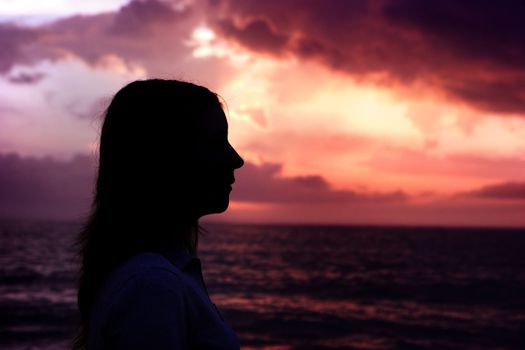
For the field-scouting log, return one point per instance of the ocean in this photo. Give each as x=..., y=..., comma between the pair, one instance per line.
x=302, y=287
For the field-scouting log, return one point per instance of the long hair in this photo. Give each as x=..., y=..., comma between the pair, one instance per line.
x=141, y=200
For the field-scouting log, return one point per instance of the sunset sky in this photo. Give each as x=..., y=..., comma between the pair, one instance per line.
x=383, y=112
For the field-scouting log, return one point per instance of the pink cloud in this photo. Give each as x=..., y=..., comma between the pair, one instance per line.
x=311, y=144
x=415, y=162
x=264, y=183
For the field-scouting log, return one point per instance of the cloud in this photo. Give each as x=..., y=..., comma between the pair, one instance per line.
x=265, y=184
x=313, y=145
x=86, y=59
x=140, y=17
x=141, y=31
x=499, y=191
x=414, y=162
x=26, y=78
x=473, y=29
x=44, y=188
x=13, y=41
x=256, y=115
x=148, y=35
x=497, y=96
x=256, y=35
x=472, y=51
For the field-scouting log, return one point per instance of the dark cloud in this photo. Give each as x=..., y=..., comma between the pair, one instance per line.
x=139, y=17
x=13, y=41
x=45, y=188
x=265, y=183
x=506, y=190
x=471, y=50
x=474, y=29
x=497, y=96
x=26, y=78
x=256, y=35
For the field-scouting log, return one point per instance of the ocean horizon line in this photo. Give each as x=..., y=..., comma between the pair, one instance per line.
x=357, y=225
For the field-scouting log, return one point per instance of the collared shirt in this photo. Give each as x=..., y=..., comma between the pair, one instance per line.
x=151, y=302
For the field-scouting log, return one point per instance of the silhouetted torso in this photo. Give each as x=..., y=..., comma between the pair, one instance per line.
x=150, y=302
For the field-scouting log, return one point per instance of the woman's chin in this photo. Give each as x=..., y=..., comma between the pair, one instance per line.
x=219, y=206
x=223, y=206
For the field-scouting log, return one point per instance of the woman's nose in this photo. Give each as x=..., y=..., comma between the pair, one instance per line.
x=237, y=161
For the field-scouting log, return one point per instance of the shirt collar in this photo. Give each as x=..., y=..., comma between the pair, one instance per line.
x=189, y=264
x=184, y=261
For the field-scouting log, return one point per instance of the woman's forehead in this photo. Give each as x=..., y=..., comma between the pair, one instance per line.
x=213, y=121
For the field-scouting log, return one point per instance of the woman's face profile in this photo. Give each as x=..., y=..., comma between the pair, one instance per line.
x=214, y=162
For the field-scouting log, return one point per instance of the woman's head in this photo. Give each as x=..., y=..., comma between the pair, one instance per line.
x=164, y=150
x=165, y=161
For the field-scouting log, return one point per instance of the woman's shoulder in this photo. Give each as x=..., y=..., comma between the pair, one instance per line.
x=143, y=303
x=142, y=271
x=144, y=264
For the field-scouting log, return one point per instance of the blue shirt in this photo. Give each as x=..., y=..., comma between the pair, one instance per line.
x=150, y=302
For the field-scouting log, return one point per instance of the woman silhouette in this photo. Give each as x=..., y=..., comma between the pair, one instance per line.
x=165, y=161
